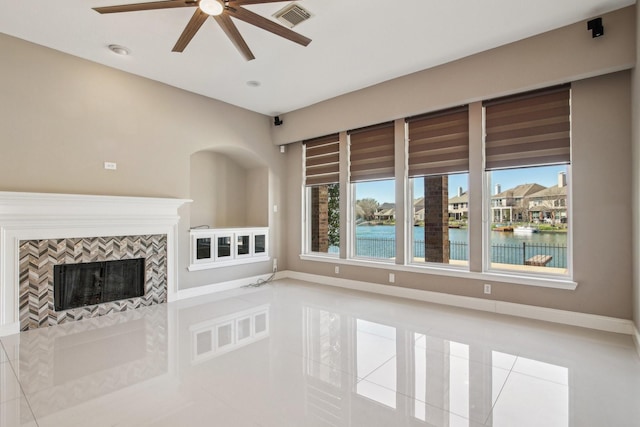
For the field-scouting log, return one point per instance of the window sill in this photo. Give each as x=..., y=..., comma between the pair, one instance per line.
x=493, y=276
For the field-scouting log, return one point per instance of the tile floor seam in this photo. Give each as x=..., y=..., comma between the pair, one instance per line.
x=540, y=378
x=371, y=373
x=420, y=400
x=504, y=384
x=24, y=395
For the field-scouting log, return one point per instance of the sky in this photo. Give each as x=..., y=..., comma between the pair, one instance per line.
x=383, y=191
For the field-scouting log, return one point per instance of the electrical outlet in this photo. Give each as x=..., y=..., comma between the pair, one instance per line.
x=110, y=166
x=487, y=288
x=392, y=278
x=337, y=269
x=275, y=265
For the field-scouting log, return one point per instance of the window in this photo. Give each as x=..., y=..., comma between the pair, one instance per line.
x=528, y=152
x=523, y=213
x=438, y=158
x=372, y=176
x=375, y=219
x=322, y=173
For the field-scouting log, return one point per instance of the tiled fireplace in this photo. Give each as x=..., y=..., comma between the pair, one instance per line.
x=40, y=231
x=39, y=257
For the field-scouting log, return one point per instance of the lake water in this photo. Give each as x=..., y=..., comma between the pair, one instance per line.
x=509, y=248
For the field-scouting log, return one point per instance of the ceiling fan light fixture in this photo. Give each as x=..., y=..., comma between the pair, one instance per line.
x=211, y=7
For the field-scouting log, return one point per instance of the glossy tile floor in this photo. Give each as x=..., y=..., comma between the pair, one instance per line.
x=295, y=354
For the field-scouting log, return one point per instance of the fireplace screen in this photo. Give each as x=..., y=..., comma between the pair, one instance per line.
x=79, y=285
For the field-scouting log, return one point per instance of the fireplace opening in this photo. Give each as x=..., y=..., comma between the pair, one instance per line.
x=90, y=283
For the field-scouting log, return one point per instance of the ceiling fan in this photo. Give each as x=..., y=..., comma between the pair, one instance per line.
x=221, y=11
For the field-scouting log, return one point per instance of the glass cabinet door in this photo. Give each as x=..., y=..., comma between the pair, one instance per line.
x=203, y=248
x=260, y=242
x=243, y=242
x=223, y=247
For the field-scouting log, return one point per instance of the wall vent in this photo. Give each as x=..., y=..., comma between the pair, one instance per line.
x=292, y=15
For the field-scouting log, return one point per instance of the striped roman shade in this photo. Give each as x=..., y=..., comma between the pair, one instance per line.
x=372, y=152
x=529, y=129
x=322, y=160
x=439, y=142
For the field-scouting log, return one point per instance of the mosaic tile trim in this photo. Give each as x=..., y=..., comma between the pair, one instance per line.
x=37, y=258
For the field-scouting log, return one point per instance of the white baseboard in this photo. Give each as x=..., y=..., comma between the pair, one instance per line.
x=636, y=338
x=218, y=287
x=9, y=329
x=591, y=321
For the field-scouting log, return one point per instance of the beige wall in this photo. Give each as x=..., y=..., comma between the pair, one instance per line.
x=61, y=117
x=601, y=170
x=559, y=56
x=218, y=190
x=635, y=114
x=256, y=194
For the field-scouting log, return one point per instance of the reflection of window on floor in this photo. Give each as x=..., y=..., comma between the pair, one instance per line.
x=420, y=374
x=441, y=380
x=322, y=358
x=322, y=348
x=459, y=379
x=376, y=362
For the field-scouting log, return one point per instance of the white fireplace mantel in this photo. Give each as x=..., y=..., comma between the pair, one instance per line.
x=30, y=216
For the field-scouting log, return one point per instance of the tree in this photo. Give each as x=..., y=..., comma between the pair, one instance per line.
x=334, y=214
x=368, y=208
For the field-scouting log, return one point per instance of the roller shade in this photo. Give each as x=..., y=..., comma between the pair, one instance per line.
x=322, y=160
x=439, y=142
x=372, y=152
x=529, y=129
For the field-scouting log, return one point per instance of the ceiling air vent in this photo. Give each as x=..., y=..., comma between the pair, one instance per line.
x=292, y=15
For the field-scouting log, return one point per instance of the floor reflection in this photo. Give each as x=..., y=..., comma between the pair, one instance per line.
x=292, y=354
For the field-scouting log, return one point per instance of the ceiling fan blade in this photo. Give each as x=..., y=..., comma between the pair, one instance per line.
x=232, y=32
x=243, y=2
x=145, y=6
x=190, y=30
x=268, y=25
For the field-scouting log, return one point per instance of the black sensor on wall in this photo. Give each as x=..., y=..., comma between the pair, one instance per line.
x=277, y=121
x=596, y=27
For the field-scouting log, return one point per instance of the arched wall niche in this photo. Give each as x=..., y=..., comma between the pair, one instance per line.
x=229, y=187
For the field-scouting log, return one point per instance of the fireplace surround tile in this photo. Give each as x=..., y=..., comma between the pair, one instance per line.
x=38, y=257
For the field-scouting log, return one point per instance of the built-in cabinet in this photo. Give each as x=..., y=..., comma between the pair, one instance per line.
x=221, y=247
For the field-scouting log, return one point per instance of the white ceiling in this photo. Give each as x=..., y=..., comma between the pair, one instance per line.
x=356, y=43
